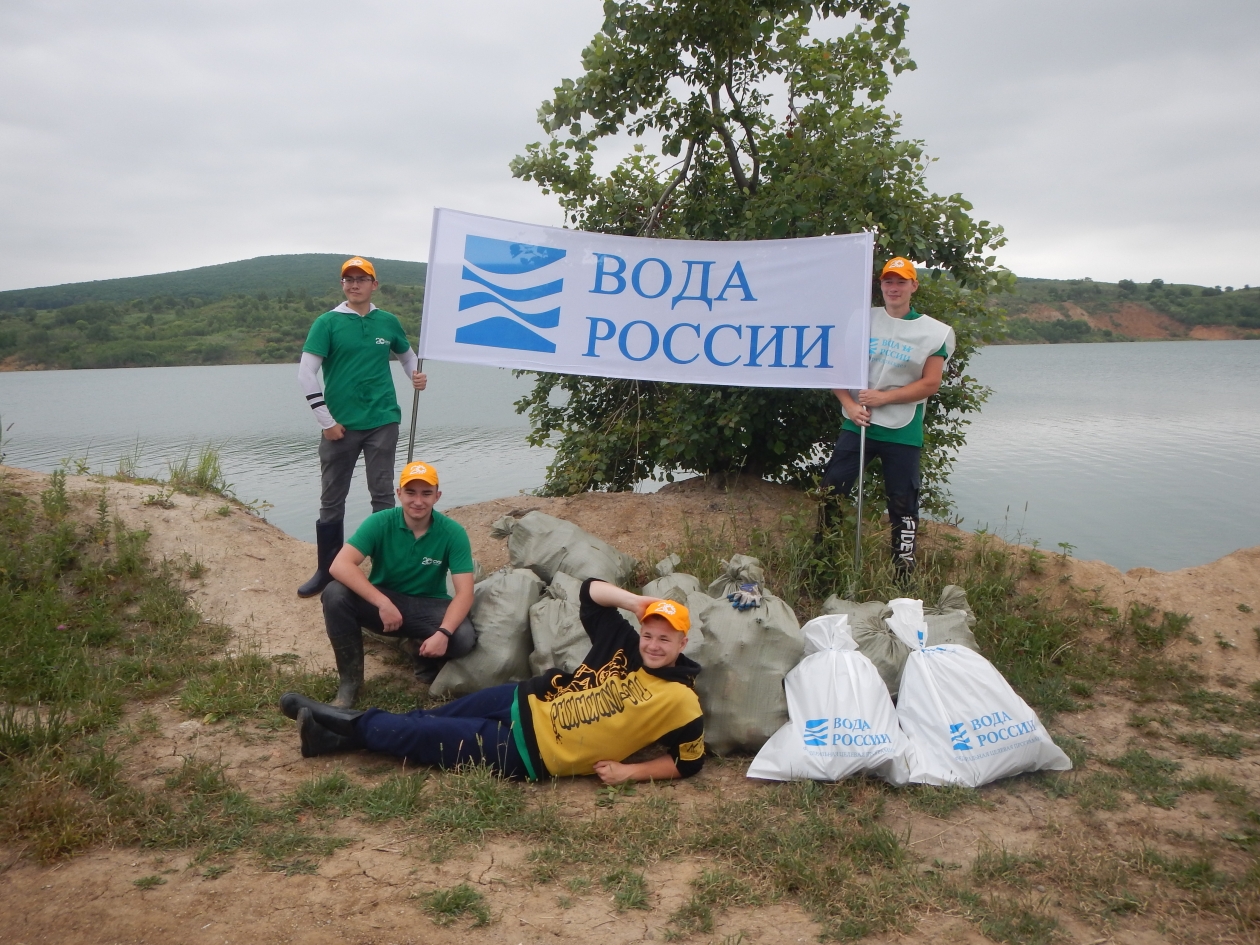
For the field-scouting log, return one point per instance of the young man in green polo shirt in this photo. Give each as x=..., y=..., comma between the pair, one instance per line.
x=356, y=407
x=908, y=355
x=412, y=548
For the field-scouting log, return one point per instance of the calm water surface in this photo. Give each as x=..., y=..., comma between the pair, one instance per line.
x=257, y=415
x=1138, y=454
x=1142, y=454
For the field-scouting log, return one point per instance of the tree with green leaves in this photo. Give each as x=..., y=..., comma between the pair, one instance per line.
x=765, y=131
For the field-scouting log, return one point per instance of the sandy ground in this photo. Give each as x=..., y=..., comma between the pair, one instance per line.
x=362, y=894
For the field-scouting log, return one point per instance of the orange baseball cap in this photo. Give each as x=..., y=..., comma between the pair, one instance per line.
x=901, y=267
x=675, y=613
x=422, y=471
x=358, y=262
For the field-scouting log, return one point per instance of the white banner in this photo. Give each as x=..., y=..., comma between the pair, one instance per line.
x=764, y=313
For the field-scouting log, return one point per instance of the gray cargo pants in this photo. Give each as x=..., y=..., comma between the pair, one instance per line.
x=345, y=612
x=337, y=459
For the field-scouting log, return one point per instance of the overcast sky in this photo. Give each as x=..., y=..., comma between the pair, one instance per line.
x=1112, y=138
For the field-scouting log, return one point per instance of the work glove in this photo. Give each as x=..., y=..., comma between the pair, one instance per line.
x=746, y=598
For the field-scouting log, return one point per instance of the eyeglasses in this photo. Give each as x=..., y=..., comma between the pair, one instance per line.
x=357, y=280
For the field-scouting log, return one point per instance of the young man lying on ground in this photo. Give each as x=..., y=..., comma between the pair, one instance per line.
x=631, y=691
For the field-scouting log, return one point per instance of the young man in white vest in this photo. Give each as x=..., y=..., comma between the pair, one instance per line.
x=908, y=355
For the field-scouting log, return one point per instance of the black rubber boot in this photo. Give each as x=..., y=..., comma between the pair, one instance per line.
x=318, y=740
x=339, y=721
x=427, y=669
x=905, y=531
x=829, y=517
x=329, y=537
x=348, y=652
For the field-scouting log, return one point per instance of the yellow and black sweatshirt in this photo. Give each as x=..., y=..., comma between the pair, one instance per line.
x=610, y=706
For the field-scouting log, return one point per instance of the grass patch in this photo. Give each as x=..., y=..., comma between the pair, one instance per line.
x=628, y=888
x=1150, y=778
x=87, y=623
x=1223, y=708
x=246, y=684
x=1149, y=634
x=1227, y=791
x=472, y=801
x=822, y=845
x=200, y=475
x=941, y=801
x=1186, y=872
x=1095, y=790
x=448, y=905
x=712, y=892
x=994, y=865
x=1016, y=924
x=1156, y=679
x=1229, y=745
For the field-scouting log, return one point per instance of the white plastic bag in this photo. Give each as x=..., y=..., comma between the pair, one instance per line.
x=841, y=719
x=965, y=723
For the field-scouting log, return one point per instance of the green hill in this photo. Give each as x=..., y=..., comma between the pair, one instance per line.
x=259, y=310
x=314, y=272
x=1074, y=310
x=247, y=312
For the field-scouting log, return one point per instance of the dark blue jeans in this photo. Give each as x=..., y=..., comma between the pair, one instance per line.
x=902, y=483
x=475, y=729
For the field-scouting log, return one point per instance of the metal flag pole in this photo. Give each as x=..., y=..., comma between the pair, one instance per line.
x=857, y=544
x=415, y=407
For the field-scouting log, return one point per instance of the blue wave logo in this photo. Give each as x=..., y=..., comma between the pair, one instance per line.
x=816, y=732
x=505, y=258
x=959, y=737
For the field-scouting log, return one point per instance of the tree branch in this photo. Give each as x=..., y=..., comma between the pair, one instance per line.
x=738, y=111
x=732, y=152
x=650, y=225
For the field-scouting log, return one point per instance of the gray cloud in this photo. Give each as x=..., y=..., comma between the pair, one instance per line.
x=1111, y=139
x=1114, y=140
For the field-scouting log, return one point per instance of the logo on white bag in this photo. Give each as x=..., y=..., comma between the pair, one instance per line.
x=849, y=732
x=958, y=735
x=816, y=732
x=992, y=728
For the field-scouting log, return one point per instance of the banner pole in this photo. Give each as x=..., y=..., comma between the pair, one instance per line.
x=857, y=544
x=415, y=407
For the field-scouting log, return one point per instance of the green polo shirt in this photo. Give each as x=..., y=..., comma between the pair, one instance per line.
x=410, y=565
x=357, y=385
x=912, y=433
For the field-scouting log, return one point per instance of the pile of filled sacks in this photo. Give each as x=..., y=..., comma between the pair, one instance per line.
x=814, y=702
x=956, y=720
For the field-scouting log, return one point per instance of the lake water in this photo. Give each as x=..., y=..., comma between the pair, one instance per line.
x=1138, y=454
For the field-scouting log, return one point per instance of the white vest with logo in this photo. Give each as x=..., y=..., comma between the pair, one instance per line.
x=899, y=350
